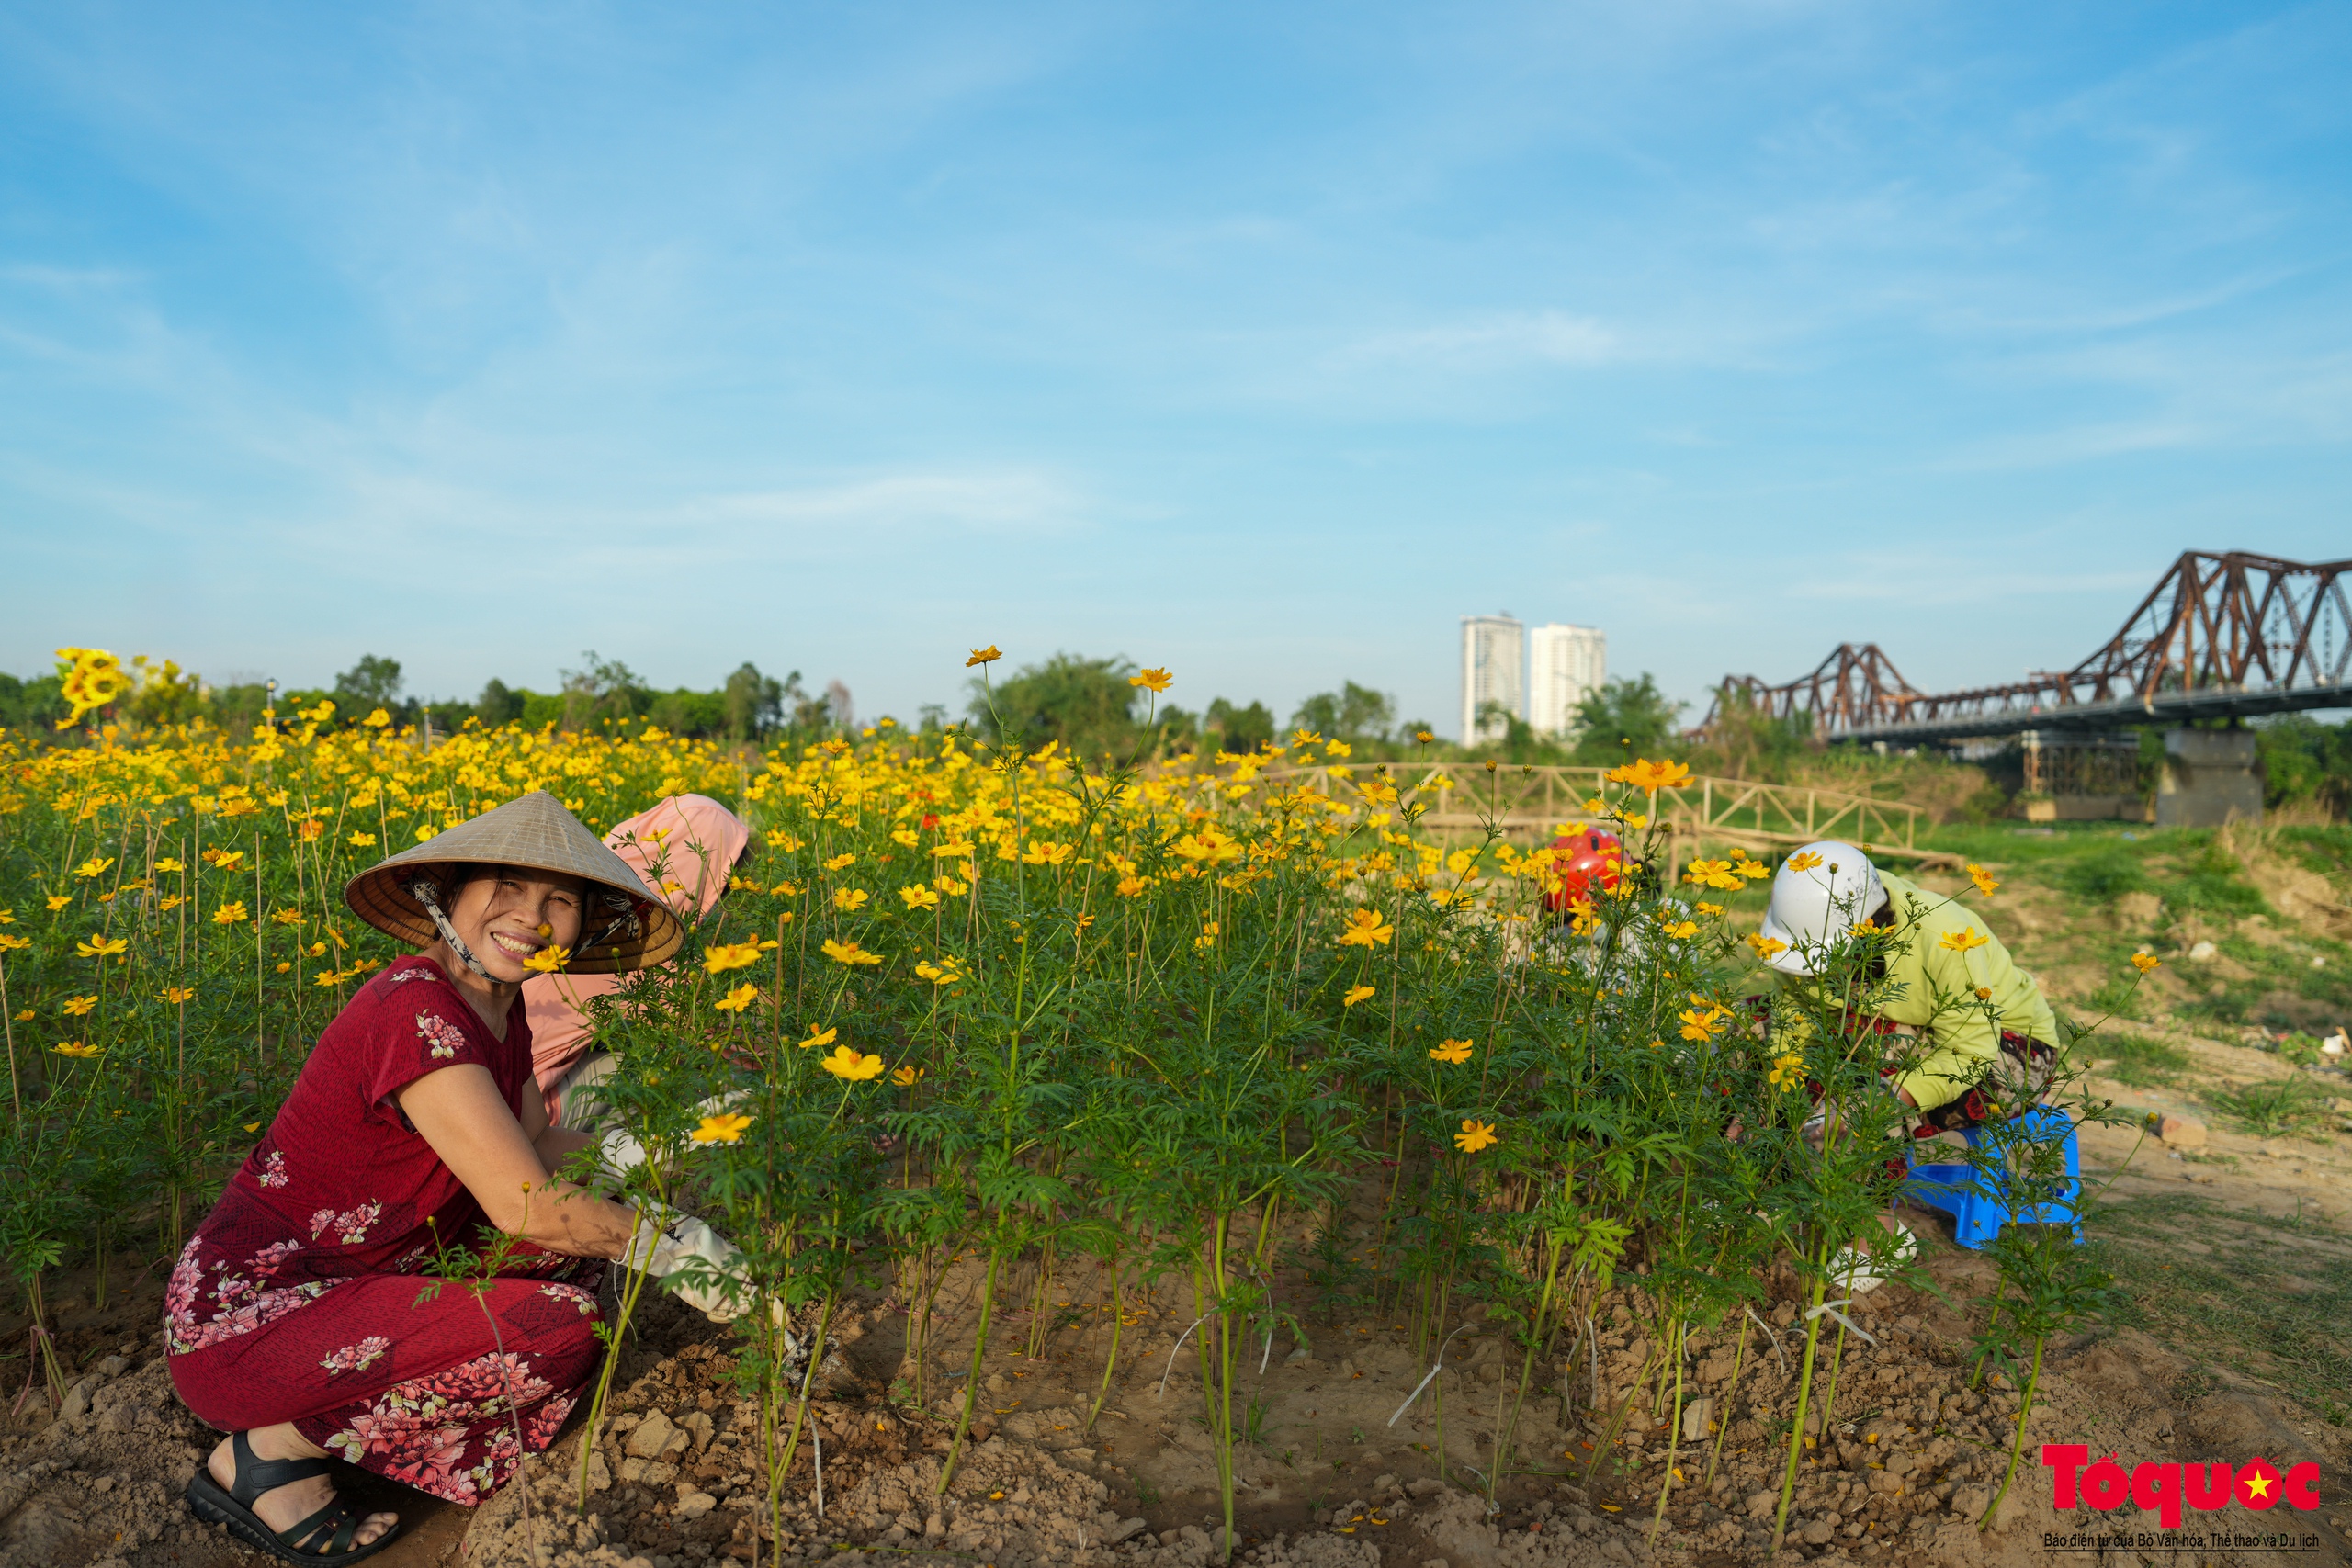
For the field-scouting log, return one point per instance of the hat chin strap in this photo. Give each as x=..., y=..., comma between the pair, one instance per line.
x=427, y=893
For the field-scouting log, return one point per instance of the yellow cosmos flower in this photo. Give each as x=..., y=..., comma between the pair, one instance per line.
x=820, y=1037
x=988, y=655
x=77, y=1006
x=380, y=719
x=780, y=839
x=167, y=863
x=1755, y=871
x=1699, y=1025
x=849, y=898
x=77, y=1049
x=905, y=1077
x=1474, y=1135
x=1787, y=1073
x=115, y=946
x=944, y=973
x=1962, y=941
x=840, y=862
x=58, y=901
x=90, y=868
x=549, y=959
x=721, y=1129
x=1680, y=930
x=738, y=999
x=917, y=896
x=175, y=995
x=1650, y=777
x=1766, y=946
x=2144, y=962
x=1366, y=928
x=848, y=1062
x=1130, y=887
x=363, y=840
x=848, y=952
x=1806, y=861
x=1711, y=908
x=13, y=944
x=719, y=957
x=229, y=914
x=1453, y=1052
x=1151, y=680
x=1357, y=994
x=1982, y=878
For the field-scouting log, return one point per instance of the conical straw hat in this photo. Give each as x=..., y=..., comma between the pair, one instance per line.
x=538, y=834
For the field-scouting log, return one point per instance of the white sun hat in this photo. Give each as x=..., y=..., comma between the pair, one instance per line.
x=1815, y=907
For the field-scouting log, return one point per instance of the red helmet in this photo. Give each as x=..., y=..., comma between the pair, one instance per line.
x=1580, y=859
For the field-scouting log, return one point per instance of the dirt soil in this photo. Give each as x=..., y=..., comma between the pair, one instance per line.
x=1911, y=1455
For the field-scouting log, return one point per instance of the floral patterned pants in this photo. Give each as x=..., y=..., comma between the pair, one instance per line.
x=443, y=1394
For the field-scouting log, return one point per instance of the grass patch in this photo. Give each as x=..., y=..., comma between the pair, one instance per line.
x=2269, y=1309
x=2137, y=1060
x=2105, y=874
x=2286, y=1108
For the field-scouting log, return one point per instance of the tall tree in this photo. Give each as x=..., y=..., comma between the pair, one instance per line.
x=373, y=682
x=1086, y=704
x=1625, y=719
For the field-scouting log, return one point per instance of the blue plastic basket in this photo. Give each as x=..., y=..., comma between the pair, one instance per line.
x=1978, y=1216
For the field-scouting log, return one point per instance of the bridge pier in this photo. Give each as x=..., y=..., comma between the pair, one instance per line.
x=2212, y=777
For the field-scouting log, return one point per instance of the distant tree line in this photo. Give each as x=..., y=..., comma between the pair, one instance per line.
x=1092, y=706
x=602, y=694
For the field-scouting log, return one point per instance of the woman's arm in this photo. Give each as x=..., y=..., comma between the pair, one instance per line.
x=555, y=1145
x=459, y=1111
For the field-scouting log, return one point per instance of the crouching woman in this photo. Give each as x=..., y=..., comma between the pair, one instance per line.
x=294, y=1322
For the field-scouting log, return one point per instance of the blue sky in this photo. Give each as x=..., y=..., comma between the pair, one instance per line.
x=1258, y=342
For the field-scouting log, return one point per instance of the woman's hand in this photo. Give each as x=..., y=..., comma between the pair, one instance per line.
x=459, y=1111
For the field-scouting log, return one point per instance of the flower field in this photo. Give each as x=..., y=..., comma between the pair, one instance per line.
x=973, y=1004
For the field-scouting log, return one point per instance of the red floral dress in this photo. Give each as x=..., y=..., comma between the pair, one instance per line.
x=298, y=1297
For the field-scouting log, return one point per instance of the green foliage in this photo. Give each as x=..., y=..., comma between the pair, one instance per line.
x=1625, y=719
x=2104, y=875
x=2291, y=1106
x=373, y=682
x=2305, y=762
x=1352, y=713
x=2136, y=1060
x=1084, y=704
x=2206, y=876
x=1241, y=729
x=33, y=706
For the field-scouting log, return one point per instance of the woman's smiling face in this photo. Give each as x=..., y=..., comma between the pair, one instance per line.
x=506, y=915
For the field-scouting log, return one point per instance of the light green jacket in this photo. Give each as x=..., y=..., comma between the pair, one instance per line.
x=1933, y=987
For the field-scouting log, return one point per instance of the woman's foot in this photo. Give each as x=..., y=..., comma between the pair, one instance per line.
x=283, y=1508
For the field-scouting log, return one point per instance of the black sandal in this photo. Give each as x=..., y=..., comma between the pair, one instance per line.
x=339, y=1521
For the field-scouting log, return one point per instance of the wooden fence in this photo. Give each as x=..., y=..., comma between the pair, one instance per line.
x=1710, y=812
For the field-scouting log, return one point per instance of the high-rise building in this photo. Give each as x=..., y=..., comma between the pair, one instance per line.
x=1493, y=656
x=1564, y=664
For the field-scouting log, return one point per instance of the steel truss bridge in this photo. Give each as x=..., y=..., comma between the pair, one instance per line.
x=2228, y=636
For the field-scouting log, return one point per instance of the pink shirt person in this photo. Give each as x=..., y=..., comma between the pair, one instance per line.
x=685, y=847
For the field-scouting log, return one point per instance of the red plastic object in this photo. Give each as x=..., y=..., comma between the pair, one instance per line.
x=1585, y=859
